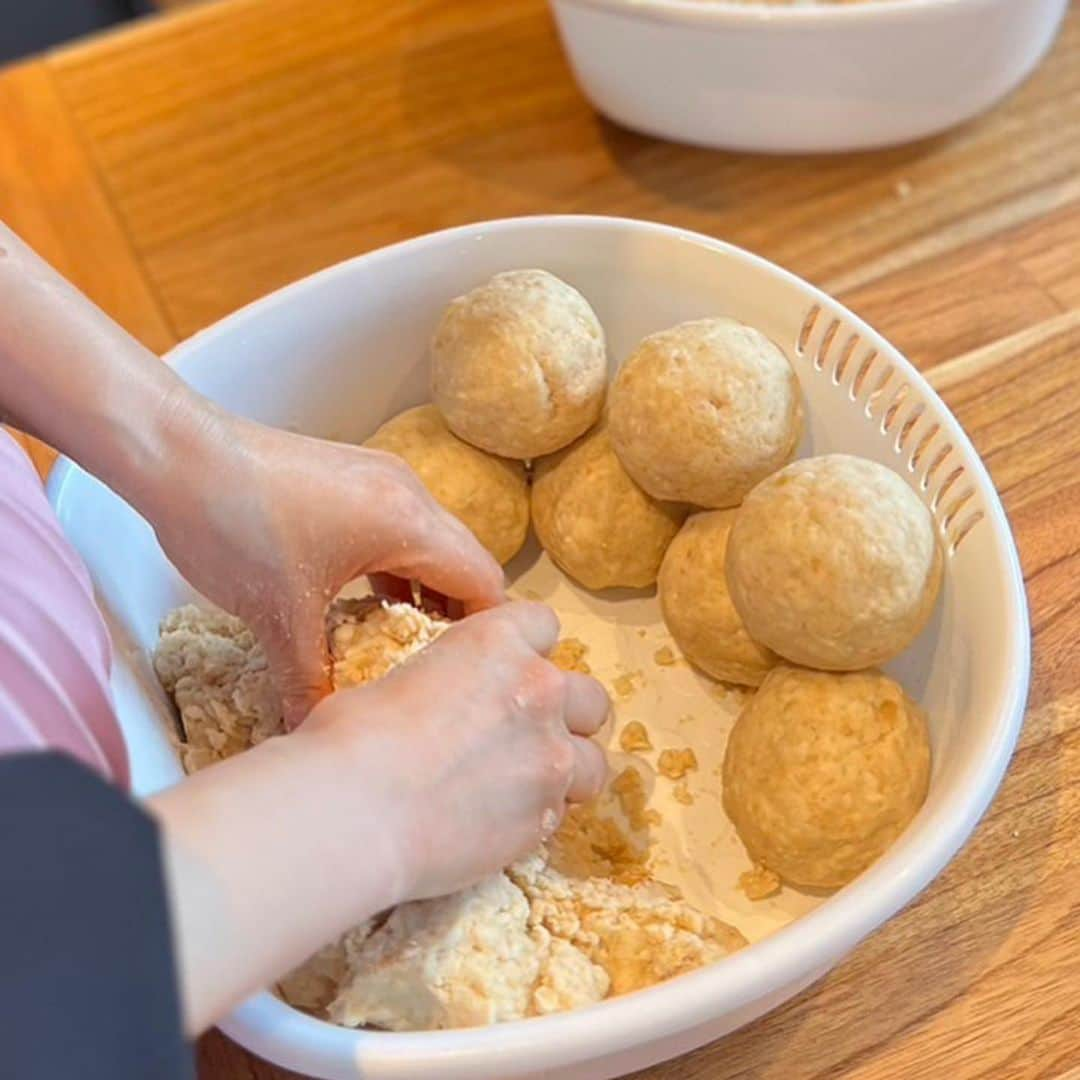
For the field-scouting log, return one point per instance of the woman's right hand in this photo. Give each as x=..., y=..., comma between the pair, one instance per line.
x=475, y=744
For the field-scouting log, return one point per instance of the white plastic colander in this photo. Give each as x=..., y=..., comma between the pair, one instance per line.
x=339, y=352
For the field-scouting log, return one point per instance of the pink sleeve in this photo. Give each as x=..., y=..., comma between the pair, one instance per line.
x=54, y=648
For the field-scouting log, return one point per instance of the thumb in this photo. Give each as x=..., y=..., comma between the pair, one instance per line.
x=296, y=650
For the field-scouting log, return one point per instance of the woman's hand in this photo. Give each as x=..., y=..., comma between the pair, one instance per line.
x=449, y=768
x=271, y=525
x=267, y=524
x=479, y=742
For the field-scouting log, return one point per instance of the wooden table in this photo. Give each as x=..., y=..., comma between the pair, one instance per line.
x=181, y=168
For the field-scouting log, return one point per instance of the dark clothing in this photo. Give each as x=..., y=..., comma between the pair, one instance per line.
x=32, y=27
x=87, y=981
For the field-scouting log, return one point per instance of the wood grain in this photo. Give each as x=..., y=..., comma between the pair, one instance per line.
x=272, y=137
x=51, y=195
x=180, y=168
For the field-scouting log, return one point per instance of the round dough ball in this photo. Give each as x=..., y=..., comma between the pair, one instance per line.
x=824, y=771
x=595, y=522
x=519, y=366
x=701, y=412
x=488, y=494
x=697, y=607
x=834, y=563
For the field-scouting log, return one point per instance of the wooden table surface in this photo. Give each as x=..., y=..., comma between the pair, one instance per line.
x=178, y=169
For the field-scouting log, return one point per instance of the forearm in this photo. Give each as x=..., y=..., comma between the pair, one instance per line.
x=73, y=377
x=269, y=856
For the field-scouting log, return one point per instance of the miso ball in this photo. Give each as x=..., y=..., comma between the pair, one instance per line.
x=488, y=494
x=701, y=412
x=823, y=771
x=834, y=563
x=519, y=365
x=595, y=522
x=697, y=607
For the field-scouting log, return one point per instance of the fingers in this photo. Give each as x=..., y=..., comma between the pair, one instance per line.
x=422, y=541
x=446, y=558
x=392, y=587
x=587, y=704
x=590, y=771
x=296, y=650
x=536, y=623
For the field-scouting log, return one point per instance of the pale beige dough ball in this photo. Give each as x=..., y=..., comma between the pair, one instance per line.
x=697, y=607
x=834, y=563
x=823, y=771
x=519, y=365
x=488, y=494
x=595, y=522
x=701, y=412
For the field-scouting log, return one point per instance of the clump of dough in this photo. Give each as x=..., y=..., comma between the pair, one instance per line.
x=462, y=960
x=697, y=606
x=834, y=563
x=634, y=737
x=759, y=883
x=591, y=843
x=315, y=983
x=488, y=494
x=640, y=935
x=216, y=672
x=519, y=365
x=701, y=412
x=595, y=522
x=824, y=771
x=569, y=655
x=564, y=929
x=675, y=764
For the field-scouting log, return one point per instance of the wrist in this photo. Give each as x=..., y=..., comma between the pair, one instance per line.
x=165, y=451
x=359, y=760
x=269, y=856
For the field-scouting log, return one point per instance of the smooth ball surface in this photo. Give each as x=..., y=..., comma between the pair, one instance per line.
x=519, y=365
x=834, y=563
x=697, y=607
x=488, y=494
x=701, y=412
x=595, y=522
x=823, y=771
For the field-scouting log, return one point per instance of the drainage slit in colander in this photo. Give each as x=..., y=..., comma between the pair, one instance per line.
x=944, y=489
x=807, y=329
x=907, y=428
x=936, y=464
x=891, y=412
x=875, y=395
x=922, y=445
x=844, y=358
x=956, y=506
x=862, y=374
x=822, y=350
x=964, y=528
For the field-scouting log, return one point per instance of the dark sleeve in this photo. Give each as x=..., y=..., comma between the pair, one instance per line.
x=87, y=980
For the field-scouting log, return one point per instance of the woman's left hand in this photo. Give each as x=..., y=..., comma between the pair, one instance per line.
x=275, y=524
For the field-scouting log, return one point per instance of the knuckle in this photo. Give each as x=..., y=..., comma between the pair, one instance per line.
x=397, y=489
x=561, y=757
x=543, y=614
x=548, y=684
x=493, y=629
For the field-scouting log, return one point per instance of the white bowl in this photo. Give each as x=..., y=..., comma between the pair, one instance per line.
x=337, y=353
x=814, y=78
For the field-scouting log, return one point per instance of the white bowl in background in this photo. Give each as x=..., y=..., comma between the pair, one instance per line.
x=806, y=78
x=339, y=352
